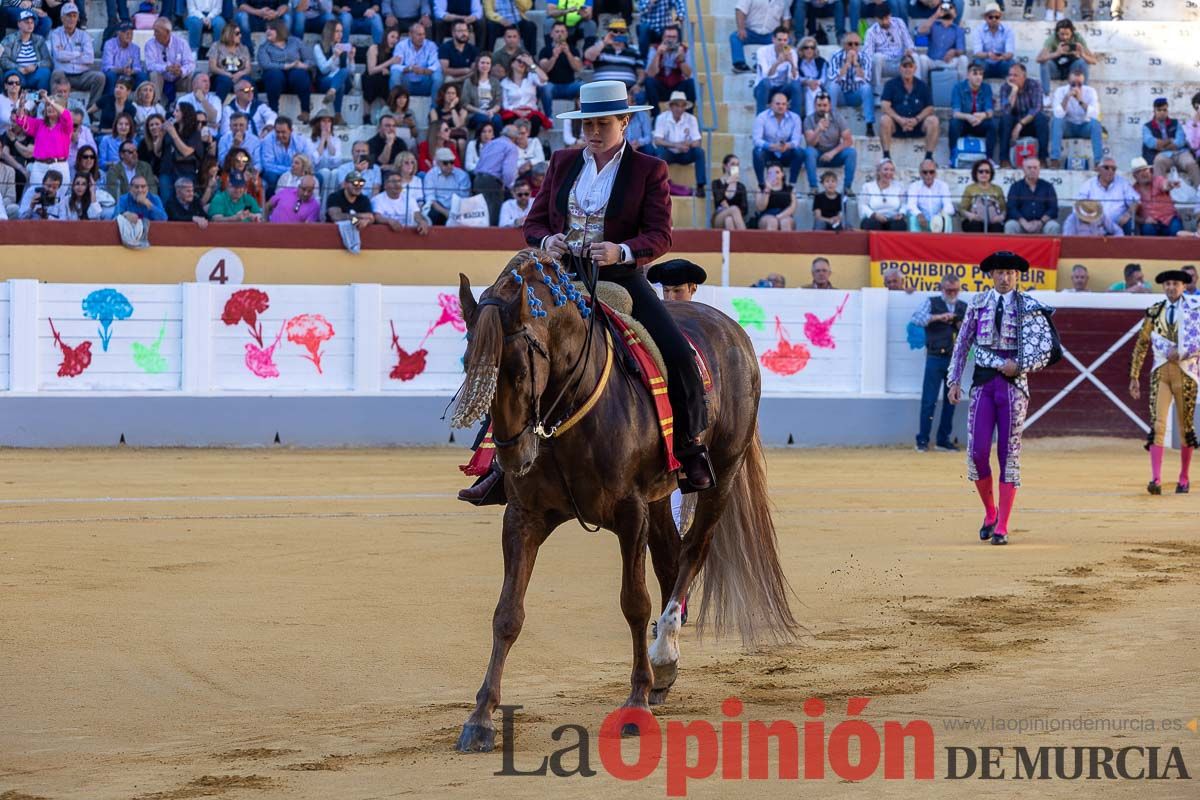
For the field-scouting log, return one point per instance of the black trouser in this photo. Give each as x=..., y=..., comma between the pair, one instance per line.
x=685, y=388
x=492, y=189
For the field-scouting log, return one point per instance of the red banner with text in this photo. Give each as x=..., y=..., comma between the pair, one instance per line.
x=923, y=258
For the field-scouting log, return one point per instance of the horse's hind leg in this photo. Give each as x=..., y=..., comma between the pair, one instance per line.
x=664, y=651
x=523, y=534
x=664, y=555
x=635, y=601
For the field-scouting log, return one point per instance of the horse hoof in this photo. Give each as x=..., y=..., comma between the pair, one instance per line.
x=664, y=674
x=476, y=739
x=659, y=696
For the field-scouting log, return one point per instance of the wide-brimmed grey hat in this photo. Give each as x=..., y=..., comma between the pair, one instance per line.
x=602, y=99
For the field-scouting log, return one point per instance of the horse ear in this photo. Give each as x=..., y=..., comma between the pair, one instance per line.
x=467, y=300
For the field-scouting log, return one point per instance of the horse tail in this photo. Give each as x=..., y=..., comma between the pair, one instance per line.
x=743, y=585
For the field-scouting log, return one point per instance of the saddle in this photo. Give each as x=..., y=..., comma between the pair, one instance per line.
x=641, y=357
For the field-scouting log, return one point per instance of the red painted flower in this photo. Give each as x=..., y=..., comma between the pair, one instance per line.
x=75, y=359
x=786, y=358
x=245, y=305
x=409, y=365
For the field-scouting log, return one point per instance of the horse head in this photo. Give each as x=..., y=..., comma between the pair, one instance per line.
x=530, y=312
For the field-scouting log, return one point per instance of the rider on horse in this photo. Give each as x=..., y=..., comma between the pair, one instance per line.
x=616, y=205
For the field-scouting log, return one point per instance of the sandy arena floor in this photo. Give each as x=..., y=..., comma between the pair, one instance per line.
x=315, y=624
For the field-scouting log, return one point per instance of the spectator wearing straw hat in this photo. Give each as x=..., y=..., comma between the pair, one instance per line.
x=1116, y=196
x=993, y=44
x=614, y=59
x=1088, y=219
x=677, y=139
x=1156, y=214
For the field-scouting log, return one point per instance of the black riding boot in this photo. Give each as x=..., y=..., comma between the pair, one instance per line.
x=685, y=387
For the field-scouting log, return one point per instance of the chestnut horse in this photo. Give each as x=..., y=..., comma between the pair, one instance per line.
x=532, y=363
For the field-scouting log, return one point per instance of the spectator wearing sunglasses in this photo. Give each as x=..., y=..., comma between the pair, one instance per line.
x=515, y=209
x=120, y=174
x=848, y=78
x=1116, y=195
x=993, y=44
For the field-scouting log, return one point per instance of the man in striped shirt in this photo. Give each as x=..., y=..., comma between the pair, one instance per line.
x=848, y=78
x=614, y=59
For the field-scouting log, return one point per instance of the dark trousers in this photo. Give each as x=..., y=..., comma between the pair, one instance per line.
x=296, y=81
x=985, y=130
x=492, y=190
x=935, y=384
x=1039, y=129
x=685, y=388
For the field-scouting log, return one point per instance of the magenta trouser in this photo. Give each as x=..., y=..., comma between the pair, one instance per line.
x=997, y=407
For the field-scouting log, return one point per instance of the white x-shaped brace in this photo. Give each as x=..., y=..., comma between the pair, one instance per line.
x=1086, y=373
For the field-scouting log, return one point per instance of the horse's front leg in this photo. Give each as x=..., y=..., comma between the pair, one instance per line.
x=523, y=534
x=636, y=604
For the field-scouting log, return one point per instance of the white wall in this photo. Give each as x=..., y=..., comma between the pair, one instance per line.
x=810, y=343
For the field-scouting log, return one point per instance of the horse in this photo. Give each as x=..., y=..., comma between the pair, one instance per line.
x=532, y=363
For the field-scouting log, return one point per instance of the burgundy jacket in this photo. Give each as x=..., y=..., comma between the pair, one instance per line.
x=638, y=213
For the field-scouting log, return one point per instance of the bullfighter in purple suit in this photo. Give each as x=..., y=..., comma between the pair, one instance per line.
x=1013, y=336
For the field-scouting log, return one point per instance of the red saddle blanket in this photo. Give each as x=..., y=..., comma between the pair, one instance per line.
x=652, y=378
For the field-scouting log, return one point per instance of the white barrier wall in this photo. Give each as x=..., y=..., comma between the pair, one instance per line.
x=211, y=340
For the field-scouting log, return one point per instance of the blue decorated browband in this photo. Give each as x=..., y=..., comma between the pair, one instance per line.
x=561, y=289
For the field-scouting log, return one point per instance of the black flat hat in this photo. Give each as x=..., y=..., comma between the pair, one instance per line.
x=1003, y=259
x=1173, y=275
x=676, y=272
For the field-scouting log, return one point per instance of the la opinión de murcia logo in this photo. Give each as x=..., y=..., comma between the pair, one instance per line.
x=734, y=749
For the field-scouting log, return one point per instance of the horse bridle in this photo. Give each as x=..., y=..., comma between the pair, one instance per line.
x=537, y=421
x=532, y=345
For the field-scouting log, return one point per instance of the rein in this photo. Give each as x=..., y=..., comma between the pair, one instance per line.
x=538, y=422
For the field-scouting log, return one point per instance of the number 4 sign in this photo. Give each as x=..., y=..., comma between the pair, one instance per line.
x=220, y=265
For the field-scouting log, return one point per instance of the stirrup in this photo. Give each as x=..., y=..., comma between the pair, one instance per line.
x=697, y=451
x=496, y=495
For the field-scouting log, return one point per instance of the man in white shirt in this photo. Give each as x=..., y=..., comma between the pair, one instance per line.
x=259, y=115
x=516, y=208
x=778, y=71
x=1117, y=198
x=399, y=205
x=677, y=139
x=756, y=20
x=1076, y=109
x=203, y=100
x=929, y=204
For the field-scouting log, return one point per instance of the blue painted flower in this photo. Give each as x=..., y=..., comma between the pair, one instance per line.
x=104, y=306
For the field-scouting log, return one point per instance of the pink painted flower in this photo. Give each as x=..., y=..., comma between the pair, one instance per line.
x=310, y=331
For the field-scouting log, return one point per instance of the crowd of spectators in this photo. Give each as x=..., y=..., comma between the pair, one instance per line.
x=799, y=125
x=196, y=110
x=188, y=126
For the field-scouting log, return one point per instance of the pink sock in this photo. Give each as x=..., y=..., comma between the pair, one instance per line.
x=984, y=487
x=1008, y=493
x=1156, y=457
x=1185, y=465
